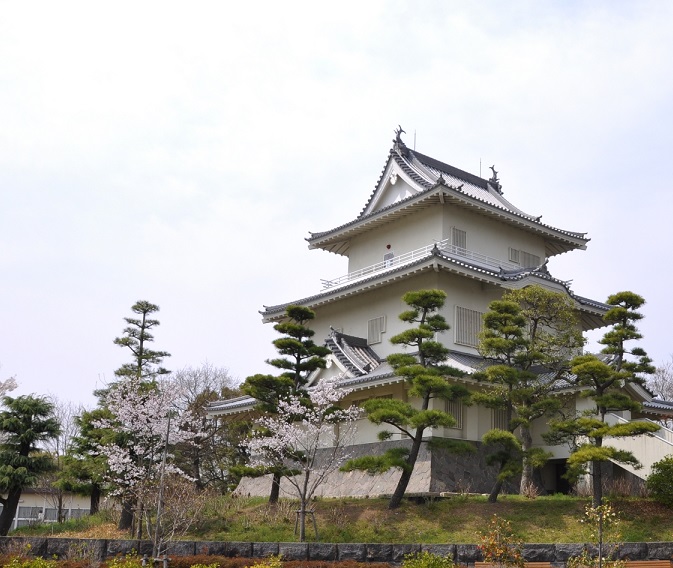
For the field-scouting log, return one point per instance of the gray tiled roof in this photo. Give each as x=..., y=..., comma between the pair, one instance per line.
x=353, y=353
x=503, y=275
x=428, y=172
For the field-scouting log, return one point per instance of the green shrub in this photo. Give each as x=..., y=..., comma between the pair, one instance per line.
x=426, y=560
x=660, y=481
x=128, y=561
x=19, y=562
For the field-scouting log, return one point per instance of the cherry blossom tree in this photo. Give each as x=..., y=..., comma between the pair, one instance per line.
x=307, y=439
x=147, y=426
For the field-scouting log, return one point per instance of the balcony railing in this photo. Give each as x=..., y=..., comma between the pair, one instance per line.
x=445, y=246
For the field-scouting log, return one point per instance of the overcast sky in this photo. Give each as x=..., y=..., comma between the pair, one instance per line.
x=180, y=152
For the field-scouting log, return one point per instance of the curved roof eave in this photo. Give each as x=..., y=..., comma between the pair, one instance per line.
x=435, y=260
x=336, y=240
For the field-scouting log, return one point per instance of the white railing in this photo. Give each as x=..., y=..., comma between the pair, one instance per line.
x=447, y=248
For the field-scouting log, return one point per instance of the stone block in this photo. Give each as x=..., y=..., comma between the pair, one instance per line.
x=239, y=549
x=293, y=550
x=264, y=549
x=351, y=551
x=402, y=550
x=468, y=554
x=75, y=548
x=565, y=551
x=660, y=550
x=631, y=551
x=379, y=552
x=446, y=550
x=539, y=552
x=121, y=548
x=181, y=548
x=145, y=548
x=322, y=551
x=213, y=548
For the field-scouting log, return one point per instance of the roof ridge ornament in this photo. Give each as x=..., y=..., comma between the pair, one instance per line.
x=494, y=181
x=400, y=146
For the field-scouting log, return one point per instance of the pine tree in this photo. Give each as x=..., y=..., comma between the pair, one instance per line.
x=299, y=357
x=529, y=336
x=24, y=424
x=603, y=379
x=428, y=380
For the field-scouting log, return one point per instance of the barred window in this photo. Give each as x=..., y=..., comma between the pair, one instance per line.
x=459, y=240
x=529, y=260
x=467, y=326
x=499, y=419
x=375, y=328
x=514, y=255
x=455, y=409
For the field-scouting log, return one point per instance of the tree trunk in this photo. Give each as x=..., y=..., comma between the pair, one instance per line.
x=597, y=483
x=94, y=499
x=9, y=508
x=402, y=484
x=126, y=518
x=597, y=478
x=275, y=488
x=493, y=497
x=527, y=468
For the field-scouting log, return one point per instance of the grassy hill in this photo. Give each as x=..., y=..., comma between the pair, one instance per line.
x=454, y=520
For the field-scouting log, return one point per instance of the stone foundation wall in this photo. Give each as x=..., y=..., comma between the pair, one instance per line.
x=465, y=554
x=436, y=471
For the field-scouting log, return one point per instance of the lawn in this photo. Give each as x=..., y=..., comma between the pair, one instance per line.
x=455, y=520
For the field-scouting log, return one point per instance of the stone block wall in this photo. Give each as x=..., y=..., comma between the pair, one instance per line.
x=464, y=554
x=436, y=471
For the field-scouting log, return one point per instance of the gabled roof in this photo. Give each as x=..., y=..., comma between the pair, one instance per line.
x=357, y=357
x=435, y=182
x=440, y=259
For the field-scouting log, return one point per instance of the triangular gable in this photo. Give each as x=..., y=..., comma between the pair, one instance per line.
x=394, y=185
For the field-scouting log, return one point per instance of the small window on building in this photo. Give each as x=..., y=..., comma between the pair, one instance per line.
x=375, y=328
x=514, y=255
x=455, y=409
x=388, y=258
x=529, y=260
x=499, y=419
x=467, y=327
x=459, y=240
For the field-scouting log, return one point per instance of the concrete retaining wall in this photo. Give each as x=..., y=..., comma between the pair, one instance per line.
x=466, y=554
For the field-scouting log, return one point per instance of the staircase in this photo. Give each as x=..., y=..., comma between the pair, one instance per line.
x=648, y=449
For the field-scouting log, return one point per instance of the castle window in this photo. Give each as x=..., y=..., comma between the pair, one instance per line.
x=459, y=240
x=529, y=260
x=375, y=328
x=514, y=255
x=455, y=409
x=467, y=326
x=499, y=419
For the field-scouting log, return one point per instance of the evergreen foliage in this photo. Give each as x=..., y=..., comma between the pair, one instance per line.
x=299, y=358
x=428, y=379
x=603, y=379
x=660, y=481
x=528, y=338
x=25, y=422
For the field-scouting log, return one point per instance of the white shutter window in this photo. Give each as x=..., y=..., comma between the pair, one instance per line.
x=375, y=328
x=455, y=409
x=499, y=419
x=529, y=260
x=459, y=240
x=514, y=255
x=467, y=326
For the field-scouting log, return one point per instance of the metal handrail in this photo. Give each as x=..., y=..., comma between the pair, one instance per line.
x=445, y=246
